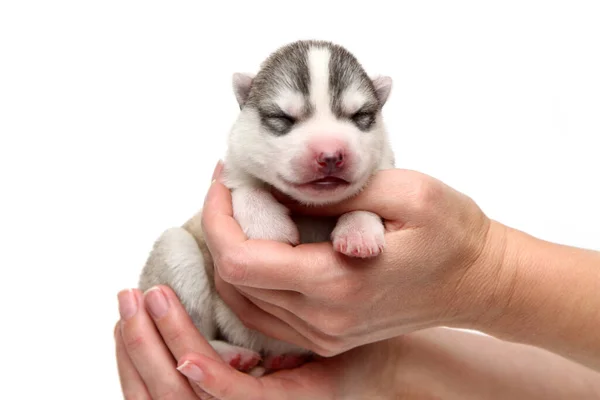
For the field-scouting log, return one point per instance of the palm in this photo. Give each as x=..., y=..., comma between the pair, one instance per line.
x=318, y=379
x=312, y=380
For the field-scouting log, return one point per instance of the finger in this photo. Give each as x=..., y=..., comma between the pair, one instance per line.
x=285, y=299
x=174, y=324
x=277, y=266
x=217, y=216
x=319, y=342
x=238, y=259
x=132, y=384
x=148, y=353
x=256, y=319
x=392, y=194
x=224, y=382
x=290, y=319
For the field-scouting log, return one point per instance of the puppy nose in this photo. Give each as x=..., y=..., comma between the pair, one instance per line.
x=331, y=161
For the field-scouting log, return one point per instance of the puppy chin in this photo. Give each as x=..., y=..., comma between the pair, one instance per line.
x=312, y=196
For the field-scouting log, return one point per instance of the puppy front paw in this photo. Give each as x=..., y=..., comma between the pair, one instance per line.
x=359, y=234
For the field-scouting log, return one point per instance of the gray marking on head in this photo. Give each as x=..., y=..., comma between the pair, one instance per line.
x=345, y=71
x=287, y=68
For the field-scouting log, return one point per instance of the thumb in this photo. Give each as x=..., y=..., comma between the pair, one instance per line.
x=220, y=228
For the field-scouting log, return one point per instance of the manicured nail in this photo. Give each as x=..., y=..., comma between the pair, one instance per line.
x=192, y=371
x=217, y=172
x=157, y=302
x=127, y=304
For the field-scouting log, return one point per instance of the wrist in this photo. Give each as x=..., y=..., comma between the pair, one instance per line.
x=506, y=282
x=531, y=291
x=483, y=289
x=396, y=371
x=371, y=371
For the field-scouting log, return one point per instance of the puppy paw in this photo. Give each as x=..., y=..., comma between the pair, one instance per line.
x=359, y=234
x=239, y=358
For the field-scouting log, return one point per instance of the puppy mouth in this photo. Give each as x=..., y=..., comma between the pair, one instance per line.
x=322, y=186
x=327, y=183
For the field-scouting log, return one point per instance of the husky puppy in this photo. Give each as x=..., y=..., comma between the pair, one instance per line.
x=310, y=126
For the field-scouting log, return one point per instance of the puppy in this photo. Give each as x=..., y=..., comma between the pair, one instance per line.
x=310, y=125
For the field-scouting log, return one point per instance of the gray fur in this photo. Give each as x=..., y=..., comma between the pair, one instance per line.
x=288, y=67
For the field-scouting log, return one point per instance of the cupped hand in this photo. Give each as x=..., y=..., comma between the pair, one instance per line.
x=439, y=267
x=161, y=355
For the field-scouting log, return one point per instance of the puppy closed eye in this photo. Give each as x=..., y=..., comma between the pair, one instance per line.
x=363, y=120
x=280, y=122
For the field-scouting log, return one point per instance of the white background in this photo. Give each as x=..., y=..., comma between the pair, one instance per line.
x=113, y=114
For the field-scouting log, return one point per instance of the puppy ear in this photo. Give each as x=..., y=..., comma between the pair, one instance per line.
x=383, y=87
x=241, y=86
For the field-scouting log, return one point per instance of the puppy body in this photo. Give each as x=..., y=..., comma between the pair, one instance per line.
x=310, y=125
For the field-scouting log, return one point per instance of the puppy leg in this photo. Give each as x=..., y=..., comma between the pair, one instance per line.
x=177, y=262
x=262, y=217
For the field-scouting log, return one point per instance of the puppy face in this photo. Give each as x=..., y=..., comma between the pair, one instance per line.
x=310, y=122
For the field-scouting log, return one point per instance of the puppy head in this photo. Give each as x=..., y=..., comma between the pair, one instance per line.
x=310, y=123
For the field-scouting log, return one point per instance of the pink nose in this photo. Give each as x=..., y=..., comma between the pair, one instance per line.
x=330, y=162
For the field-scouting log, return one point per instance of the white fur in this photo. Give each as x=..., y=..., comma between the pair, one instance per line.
x=353, y=99
x=290, y=102
x=176, y=260
x=252, y=151
x=318, y=67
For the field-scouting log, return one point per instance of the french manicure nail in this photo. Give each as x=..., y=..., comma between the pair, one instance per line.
x=157, y=302
x=217, y=172
x=192, y=371
x=127, y=304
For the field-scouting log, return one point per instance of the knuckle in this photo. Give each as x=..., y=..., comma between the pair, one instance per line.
x=231, y=267
x=332, y=325
x=134, y=342
x=173, y=335
x=426, y=194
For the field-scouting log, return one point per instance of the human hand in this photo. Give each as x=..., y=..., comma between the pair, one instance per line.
x=439, y=268
x=150, y=344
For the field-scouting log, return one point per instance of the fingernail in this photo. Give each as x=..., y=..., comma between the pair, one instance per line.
x=192, y=371
x=217, y=172
x=157, y=302
x=127, y=304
